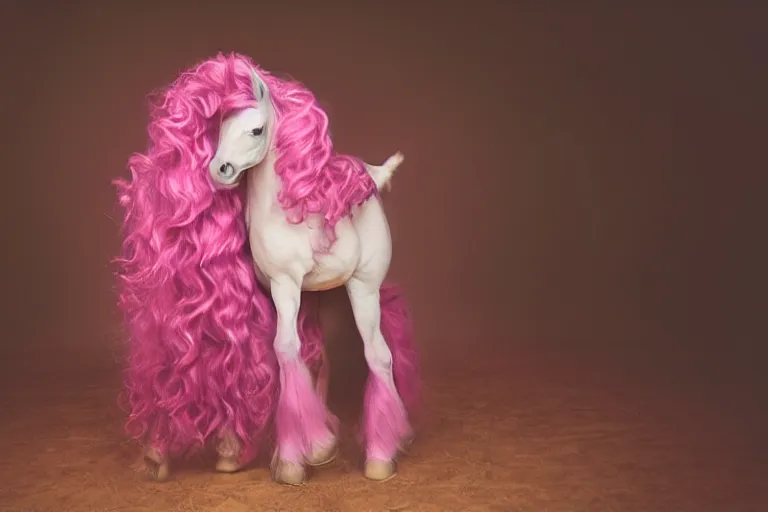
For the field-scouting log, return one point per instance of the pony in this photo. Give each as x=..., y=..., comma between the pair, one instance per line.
x=238, y=206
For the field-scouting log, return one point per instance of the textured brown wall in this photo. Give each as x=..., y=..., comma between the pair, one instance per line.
x=581, y=177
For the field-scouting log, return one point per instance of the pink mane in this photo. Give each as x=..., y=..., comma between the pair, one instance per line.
x=314, y=179
x=200, y=357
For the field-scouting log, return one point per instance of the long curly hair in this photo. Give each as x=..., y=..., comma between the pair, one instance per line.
x=200, y=358
x=314, y=178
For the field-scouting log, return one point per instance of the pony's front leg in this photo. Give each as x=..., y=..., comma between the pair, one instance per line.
x=303, y=433
x=156, y=463
x=230, y=451
x=385, y=420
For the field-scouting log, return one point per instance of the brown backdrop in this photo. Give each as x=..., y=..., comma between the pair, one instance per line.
x=577, y=178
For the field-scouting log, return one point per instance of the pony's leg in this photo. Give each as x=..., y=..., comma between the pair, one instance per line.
x=155, y=457
x=311, y=335
x=302, y=419
x=385, y=418
x=230, y=450
x=156, y=463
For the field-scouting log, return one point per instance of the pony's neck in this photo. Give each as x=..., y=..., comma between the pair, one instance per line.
x=263, y=183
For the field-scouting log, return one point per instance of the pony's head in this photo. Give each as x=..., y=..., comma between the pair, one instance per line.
x=244, y=138
x=225, y=116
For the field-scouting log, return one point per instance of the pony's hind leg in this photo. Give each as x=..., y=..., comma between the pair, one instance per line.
x=385, y=418
x=302, y=420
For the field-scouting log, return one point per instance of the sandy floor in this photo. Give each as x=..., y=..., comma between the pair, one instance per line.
x=542, y=434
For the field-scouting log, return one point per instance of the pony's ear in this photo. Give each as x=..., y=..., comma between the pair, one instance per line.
x=260, y=90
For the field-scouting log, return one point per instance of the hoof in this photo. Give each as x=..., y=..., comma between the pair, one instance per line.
x=323, y=455
x=379, y=470
x=155, y=466
x=288, y=473
x=227, y=465
x=230, y=448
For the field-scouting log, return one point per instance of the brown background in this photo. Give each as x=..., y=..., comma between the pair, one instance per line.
x=582, y=185
x=575, y=177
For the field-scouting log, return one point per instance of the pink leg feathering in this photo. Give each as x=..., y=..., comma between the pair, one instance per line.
x=304, y=425
x=392, y=389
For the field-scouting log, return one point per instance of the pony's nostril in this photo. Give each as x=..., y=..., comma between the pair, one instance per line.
x=227, y=170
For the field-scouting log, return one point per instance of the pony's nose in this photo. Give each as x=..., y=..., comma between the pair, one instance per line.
x=226, y=170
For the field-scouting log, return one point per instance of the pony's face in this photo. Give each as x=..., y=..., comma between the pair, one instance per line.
x=243, y=139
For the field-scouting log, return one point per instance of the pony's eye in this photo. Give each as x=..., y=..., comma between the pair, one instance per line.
x=257, y=131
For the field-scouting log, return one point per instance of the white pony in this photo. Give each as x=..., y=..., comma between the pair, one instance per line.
x=287, y=261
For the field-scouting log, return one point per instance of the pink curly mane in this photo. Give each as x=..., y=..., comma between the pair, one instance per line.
x=314, y=179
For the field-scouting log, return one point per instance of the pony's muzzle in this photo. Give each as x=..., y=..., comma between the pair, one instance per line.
x=226, y=171
x=224, y=175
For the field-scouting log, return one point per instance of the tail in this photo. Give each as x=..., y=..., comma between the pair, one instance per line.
x=397, y=328
x=310, y=331
x=382, y=174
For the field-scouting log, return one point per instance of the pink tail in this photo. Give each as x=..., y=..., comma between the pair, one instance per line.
x=397, y=328
x=310, y=331
x=385, y=416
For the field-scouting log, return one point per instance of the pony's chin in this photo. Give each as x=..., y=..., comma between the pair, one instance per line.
x=226, y=186
x=218, y=185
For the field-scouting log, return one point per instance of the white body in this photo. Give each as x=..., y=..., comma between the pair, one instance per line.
x=279, y=246
x=285, y=262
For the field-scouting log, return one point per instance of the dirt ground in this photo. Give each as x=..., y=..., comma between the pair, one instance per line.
x=543, y=433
